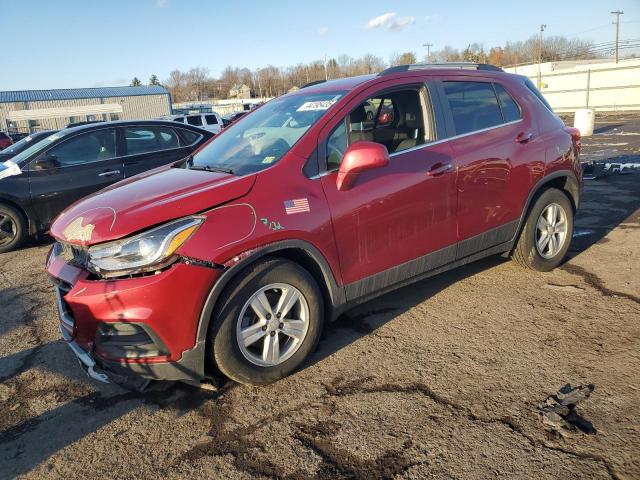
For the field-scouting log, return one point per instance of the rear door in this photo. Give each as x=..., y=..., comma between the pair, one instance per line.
x=72, y=169
x=147, y=147
x=493, y=143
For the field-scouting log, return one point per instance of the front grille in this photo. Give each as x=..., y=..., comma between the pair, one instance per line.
x=73, y=254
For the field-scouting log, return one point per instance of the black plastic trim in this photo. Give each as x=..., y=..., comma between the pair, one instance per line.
x=575, y=196
x=336, y=293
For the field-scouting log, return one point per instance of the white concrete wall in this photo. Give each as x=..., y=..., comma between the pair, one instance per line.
x=604, y=86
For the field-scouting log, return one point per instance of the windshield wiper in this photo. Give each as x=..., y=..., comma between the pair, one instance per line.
x=207, y=168
x=211, y=168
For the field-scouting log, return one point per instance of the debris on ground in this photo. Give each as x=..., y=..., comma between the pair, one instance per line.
x=559, y=410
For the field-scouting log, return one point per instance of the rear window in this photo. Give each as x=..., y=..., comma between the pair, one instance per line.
x=195, y=120
x=149, y=139
x=189, y=137
x=474, y=106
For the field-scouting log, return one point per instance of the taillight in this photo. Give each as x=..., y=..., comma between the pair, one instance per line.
x=575, y=136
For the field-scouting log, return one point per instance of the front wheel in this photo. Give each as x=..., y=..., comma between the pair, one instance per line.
x=12, y=228
x=547, y=233
x=270, y=320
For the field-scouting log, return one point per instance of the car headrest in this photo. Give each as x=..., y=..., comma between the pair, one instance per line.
x=359, y=115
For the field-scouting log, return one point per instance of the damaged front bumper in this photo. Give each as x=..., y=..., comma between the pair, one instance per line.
x=131, y=331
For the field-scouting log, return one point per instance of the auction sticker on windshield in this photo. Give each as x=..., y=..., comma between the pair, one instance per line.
x=8, y=169
x=318, y=105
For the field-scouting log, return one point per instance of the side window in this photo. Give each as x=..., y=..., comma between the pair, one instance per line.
x=189, y=137
x=194, y=120
x=149, y=139
x=396, y=120
x=510, y=109
x=336, y=146
x=474, y=106
x=211, y=119
x=88, y=147
x=179, y=119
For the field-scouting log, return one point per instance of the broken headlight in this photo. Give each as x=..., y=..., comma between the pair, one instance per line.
x=147, y=251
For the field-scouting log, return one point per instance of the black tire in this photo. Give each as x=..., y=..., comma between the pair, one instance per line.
x=526, y=253
x=223, y=335
x=13, y=229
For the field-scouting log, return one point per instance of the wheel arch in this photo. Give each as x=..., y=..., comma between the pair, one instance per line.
x=563, y=180
x=297, y=251
x=31, y=229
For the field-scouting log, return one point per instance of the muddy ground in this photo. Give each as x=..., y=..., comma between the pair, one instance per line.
x=442, y=379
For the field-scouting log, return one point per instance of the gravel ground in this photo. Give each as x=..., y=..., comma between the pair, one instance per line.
x=442, y=379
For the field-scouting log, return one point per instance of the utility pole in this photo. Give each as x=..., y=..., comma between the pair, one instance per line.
x=428, y=47
x=326, y=74
x=617, y=13
x=542, y=27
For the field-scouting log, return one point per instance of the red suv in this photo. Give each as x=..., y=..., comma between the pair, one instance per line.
x=5, y=141
x=234, y=258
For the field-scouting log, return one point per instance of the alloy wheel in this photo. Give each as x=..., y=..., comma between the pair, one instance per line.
x=551, y=230
x=272, y=324
x=8, y=229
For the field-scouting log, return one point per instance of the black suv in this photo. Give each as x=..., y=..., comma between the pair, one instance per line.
x=75, y=162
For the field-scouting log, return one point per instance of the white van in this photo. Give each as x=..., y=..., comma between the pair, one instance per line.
x=208, y=121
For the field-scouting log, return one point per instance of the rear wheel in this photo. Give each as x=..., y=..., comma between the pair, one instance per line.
x=547, y=233
x=12, y=228
x=271, y=319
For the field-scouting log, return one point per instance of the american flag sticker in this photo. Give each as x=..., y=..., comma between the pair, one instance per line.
x=298, y=205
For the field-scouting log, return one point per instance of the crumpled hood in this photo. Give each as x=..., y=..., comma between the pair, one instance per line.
x=144, y=201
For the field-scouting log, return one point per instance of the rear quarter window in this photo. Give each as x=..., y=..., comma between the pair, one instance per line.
x=529, y=84
x=510, y=109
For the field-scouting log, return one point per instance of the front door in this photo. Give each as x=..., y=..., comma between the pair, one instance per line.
x=400, y=216
x=71, y=170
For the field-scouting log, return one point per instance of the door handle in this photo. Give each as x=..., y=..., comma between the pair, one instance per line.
x=524, y=137
x=439, y=169
x=109, y=173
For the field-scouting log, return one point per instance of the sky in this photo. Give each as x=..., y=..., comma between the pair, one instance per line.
x=87, y=43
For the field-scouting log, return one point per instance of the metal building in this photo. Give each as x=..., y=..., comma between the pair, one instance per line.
x=32, y=110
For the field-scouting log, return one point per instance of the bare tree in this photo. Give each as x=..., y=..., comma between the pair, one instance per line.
x=406, y=58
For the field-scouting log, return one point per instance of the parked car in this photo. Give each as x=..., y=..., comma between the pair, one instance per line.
x=23, y=144
x=209, y=121
x=51, y=174
x=235, y=258
x=232, y=117
x=5, y=141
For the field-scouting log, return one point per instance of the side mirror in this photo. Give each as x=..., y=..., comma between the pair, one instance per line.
x=360, y=157
x=47, y=162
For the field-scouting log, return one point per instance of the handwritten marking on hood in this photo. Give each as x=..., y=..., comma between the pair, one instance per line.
x=76, y=231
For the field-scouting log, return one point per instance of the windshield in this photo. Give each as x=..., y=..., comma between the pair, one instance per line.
x=22, y=144
x=260, y=139
x=35, y=148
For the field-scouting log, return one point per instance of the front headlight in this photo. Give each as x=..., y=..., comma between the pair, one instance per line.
x=144, y=252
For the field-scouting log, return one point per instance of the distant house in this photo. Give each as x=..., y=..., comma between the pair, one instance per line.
x=240, y=91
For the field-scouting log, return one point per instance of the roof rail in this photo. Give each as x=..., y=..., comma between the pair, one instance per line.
x=310, y=84
x=426, y=66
